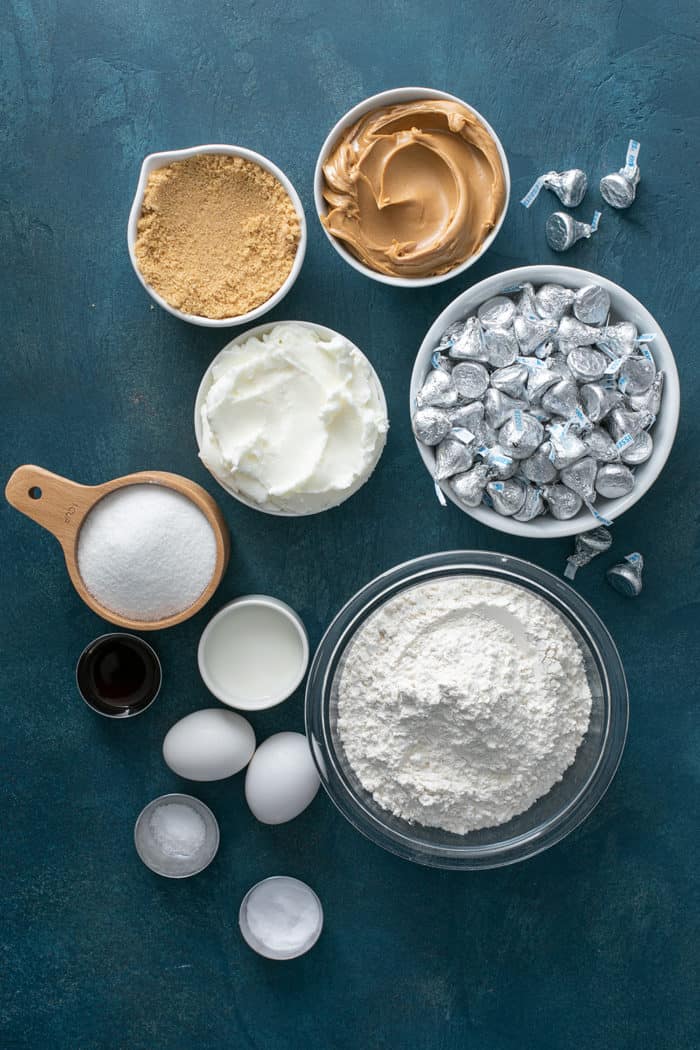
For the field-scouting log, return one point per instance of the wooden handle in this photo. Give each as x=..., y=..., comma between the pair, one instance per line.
x=56, y=503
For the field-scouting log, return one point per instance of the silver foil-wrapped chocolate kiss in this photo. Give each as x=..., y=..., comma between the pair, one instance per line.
x=627, y=576
x=469, y=487
x=431, y=425
x=620, y=188
x=562, y=230
x=587, y=546
x=570, y=187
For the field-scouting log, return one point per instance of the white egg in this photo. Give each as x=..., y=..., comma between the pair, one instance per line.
x=281, y=779
x=209, y=745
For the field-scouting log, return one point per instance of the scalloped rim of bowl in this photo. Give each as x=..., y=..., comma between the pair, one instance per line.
x=365, y=602
x=152, y=162
x=388, y=98
x=204, y=388
x=664, y=430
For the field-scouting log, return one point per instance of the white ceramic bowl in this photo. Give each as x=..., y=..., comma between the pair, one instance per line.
x=624, y=307
x=288, y=682
x=160, y=160
x=392, y=98
x=204, y=389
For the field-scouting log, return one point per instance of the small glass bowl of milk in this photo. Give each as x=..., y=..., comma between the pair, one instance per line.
x=253, y=653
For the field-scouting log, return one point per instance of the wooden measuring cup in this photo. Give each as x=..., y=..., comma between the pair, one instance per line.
x=61, y=506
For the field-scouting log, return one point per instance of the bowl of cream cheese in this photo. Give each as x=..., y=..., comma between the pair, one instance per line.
x=291, y=418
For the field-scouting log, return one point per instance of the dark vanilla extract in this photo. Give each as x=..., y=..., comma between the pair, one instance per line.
x=119, y=675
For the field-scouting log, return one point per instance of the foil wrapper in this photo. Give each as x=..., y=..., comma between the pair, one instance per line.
x=548, y=347
x=470, y=346
x=533, y=505
x=561, y=399
x=553, y=300
x=521, y=435
x=569, y=186
x=622, y=421
x=626, y=577
x=438, y=390
x=587, y=546
x=470, y=380
x=500, y=465
x=620, y=187
x=572, y=332
x=511, y=380
x=497, y=312
x=531, y=332
x=431, y=425
x=651, y=401
x=637, y=373
x=601, y=446
x=451, y=333
x=498, y=406
x=558, y=363
x=467, y=416
x=452, y=456
x=638, y=450
x=485, y=435
x=563, y=503
x=618, y=340
x=525, y=303
x=502, y=346
x=507, y=497
x=469, y=487
x=598, y=400
x=562, y=231
x=539, y=378
x=539, y=467
x=586, y=364
x=614, y=480
x=580, y=478
x=565, y=446
x=439, y=360
x=592, y=304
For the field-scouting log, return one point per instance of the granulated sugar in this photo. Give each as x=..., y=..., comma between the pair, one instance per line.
x=146, y=552
x=461, y=702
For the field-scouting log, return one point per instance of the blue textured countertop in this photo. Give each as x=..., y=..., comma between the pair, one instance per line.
x=592, y=944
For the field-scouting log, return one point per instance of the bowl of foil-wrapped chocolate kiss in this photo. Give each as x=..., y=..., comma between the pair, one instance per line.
x=544, y=401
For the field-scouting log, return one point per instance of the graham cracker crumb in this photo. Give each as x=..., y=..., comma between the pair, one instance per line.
x=217, y=235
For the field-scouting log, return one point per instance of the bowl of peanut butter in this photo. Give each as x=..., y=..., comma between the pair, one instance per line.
x=412, y=186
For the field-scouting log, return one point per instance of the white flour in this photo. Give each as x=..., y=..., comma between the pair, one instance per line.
x=461, y=702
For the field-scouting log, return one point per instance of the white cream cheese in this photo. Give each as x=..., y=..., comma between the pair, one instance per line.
x=294, y=419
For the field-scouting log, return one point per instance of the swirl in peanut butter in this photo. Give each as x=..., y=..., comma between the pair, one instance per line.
x=413, y=190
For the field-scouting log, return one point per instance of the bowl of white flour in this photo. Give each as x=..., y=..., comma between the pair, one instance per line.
x=466, y=710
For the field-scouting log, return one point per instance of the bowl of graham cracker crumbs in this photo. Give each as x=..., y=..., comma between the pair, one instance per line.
x=216, y=234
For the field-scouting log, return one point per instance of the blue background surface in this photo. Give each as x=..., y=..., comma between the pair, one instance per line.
x=591, y=944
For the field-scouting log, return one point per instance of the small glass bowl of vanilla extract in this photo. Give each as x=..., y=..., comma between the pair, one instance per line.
x=118, y=675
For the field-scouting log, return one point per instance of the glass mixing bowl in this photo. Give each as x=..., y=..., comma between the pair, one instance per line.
x=552, y=817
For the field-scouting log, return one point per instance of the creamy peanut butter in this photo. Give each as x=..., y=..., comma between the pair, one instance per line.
x=413, y=190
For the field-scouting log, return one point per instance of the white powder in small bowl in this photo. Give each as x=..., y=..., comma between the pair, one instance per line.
x=283, y=915
x=146, y=552
x=177, y=829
